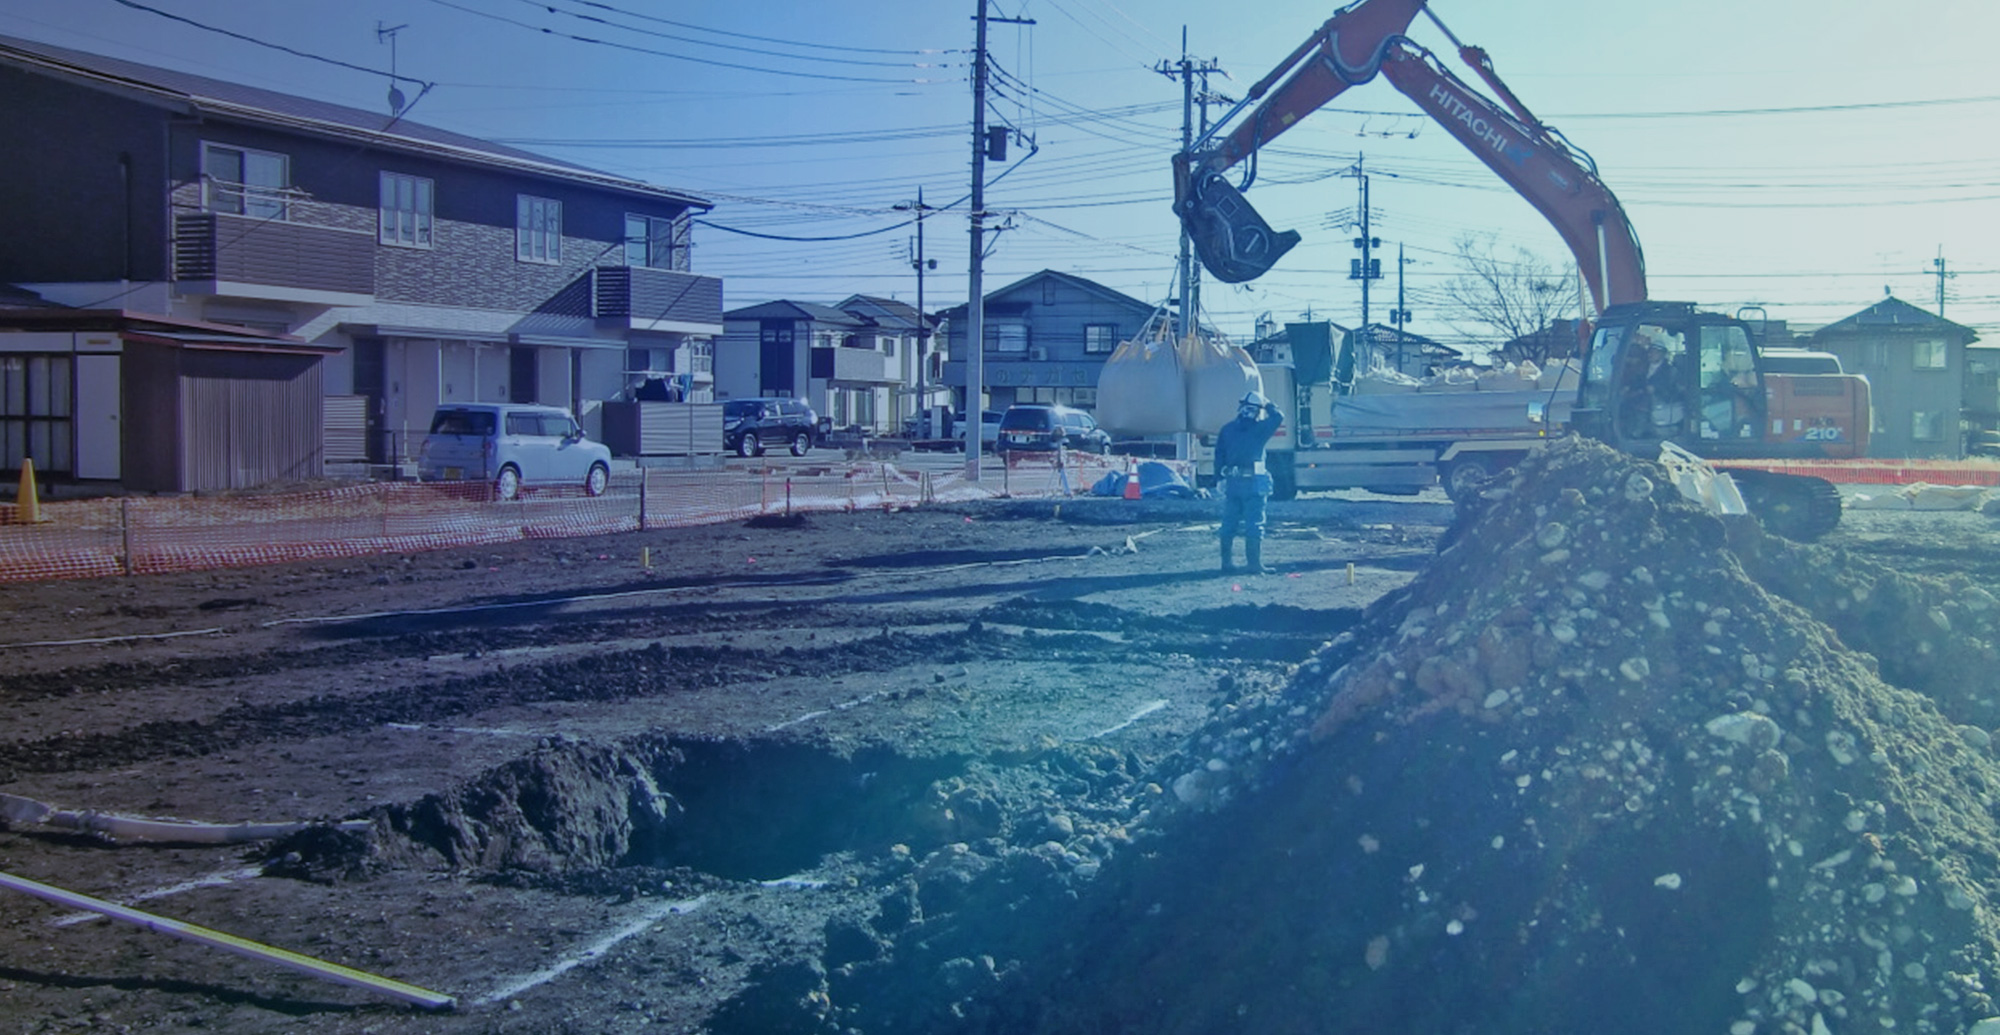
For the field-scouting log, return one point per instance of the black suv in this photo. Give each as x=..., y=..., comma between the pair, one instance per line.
x=1032, y=426
x=749, y=425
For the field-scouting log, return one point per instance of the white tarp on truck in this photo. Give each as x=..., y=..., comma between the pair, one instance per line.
x=1445, y=413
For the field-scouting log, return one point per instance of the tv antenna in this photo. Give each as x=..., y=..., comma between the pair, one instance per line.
x=388, y=35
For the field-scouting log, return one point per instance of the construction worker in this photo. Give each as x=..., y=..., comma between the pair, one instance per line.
x=1239, y=465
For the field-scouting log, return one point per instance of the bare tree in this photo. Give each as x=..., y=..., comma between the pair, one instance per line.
x=1524, y=305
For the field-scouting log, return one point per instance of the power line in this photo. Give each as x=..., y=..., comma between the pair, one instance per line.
x=668, y=54
x=266, y=43
x=543, y=6
x=747, y=36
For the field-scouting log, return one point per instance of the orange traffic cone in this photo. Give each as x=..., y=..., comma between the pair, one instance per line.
x=28, y=505
x=1131, y=481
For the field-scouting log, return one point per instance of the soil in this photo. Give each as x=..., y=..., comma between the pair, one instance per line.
x=1580, y=758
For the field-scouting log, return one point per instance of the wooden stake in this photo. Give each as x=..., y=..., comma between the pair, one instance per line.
x=333, y=972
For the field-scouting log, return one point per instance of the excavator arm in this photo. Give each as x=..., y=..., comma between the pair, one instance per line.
x=1362, y=41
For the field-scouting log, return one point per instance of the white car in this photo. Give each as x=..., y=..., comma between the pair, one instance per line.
x=512, y=445
x=989, y=431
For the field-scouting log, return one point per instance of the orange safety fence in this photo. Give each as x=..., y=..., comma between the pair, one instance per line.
x=152, y=535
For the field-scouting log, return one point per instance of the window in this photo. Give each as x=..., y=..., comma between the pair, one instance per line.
x=1875, y=354
x=1099, y=338
x=244, y=182
x=537, y=229
x=1013, y=337
x=1929, y=354
x=406, y=210
x=1926, y=426
x=35, y=415
x=649, y=242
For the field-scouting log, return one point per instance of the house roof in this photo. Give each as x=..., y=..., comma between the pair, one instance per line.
x=900, y=315
x=786, y=309
x=1387, y=336
x=1892, y=314
x=1081, y=284
x=235, y=102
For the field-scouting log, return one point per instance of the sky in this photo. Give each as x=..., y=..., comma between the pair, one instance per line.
x=1800, y=155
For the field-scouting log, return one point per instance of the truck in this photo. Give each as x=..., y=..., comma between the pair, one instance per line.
x=1652, y=372
x=1457, y=436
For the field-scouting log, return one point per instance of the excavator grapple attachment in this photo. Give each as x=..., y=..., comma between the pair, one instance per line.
x=1232, y=240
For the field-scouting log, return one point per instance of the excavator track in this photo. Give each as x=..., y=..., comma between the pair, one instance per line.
x=1798, y=507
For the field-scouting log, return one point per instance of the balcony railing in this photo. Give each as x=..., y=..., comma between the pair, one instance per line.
x=861, y=366
x=662, y=300
x=222, y=249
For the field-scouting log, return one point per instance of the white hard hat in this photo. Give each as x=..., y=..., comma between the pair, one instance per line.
x=1255, y=399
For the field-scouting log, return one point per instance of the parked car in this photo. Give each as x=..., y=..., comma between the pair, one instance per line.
x=989, y=430
x=751, y=425
x=512, y=445
x=1041, y=427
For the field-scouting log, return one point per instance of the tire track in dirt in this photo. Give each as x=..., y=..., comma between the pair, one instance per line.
x=1081, y=632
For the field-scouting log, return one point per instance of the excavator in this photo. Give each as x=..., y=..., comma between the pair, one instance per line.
x=1653, y=372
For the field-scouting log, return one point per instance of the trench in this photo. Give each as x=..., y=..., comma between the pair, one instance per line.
x=737, y=810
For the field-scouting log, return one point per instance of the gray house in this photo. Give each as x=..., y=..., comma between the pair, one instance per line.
x=1047, y=337
x=1915, y=362
x=433, y=267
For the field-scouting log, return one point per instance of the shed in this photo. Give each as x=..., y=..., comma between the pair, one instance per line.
x=155, y=403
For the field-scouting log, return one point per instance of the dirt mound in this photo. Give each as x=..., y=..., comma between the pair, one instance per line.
x=1586, y=773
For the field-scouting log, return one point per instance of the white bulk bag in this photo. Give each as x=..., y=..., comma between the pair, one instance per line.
x=1218, y=377
x=1140, y=390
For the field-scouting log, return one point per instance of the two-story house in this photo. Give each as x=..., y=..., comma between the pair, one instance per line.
x=1915, y=363
x=1047, y=337
x=857, y=364
x=434, y=266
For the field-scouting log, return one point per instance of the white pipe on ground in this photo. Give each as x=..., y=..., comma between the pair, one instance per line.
x=333, y=972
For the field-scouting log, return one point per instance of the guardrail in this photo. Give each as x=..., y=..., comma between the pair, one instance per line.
x=152, y=535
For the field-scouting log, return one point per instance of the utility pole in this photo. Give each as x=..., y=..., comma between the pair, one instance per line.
x=1399, y=315
x=975, y=296
x=1937, y=270
x=1367, y=267
x=920, y=264
x=1185, y=70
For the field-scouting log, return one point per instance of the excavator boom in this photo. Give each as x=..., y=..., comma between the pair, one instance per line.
x=1358, y=43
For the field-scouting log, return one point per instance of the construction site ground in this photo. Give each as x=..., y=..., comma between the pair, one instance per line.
x=921, y=769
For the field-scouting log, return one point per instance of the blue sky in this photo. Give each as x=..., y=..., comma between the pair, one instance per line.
x=1803, y=155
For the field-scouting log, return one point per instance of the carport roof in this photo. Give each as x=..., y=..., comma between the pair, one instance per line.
x=168, y=330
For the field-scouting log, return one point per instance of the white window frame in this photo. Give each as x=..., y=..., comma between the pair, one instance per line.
x=1011, y=337
x=1102, y=344
x=1930, y=354
x=408, y=216
x=537, y=229
x=1926, y=426
x=258, y=201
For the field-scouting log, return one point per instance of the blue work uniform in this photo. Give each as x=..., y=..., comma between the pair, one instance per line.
x=1239, y=464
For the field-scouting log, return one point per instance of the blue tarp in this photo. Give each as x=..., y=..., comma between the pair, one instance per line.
x=1156, y=481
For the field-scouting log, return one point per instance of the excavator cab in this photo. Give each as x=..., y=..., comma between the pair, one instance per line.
x=1663, y=372
x=1660, y=372
x=1231, y=239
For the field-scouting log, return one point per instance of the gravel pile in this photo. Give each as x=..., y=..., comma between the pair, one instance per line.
x=1609, y=764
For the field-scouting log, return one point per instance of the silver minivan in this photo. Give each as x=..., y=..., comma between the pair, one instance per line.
x=512, y=445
